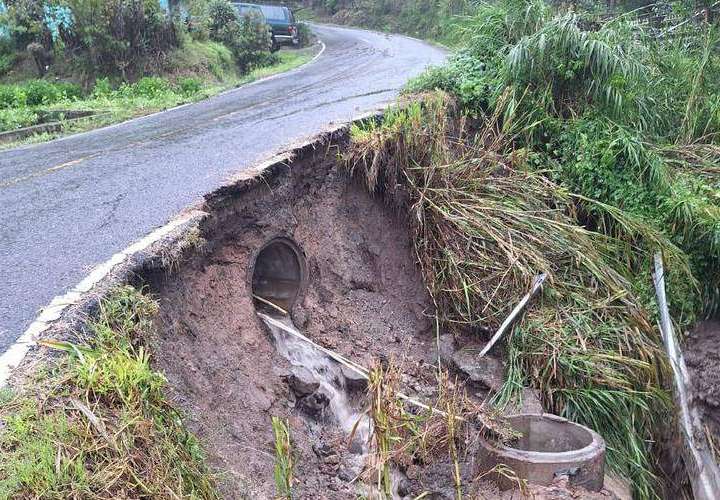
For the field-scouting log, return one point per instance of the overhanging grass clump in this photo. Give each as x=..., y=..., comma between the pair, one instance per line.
x=484, y=224
x=622, y=110
x=96, y=424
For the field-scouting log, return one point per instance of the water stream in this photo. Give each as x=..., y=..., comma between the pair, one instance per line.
x=329, y=375
x=326, y=372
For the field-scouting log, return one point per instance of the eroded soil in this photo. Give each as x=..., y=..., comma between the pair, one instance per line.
x=363, y=297
x=703, y=360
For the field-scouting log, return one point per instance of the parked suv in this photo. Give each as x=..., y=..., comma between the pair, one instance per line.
x=282, y=22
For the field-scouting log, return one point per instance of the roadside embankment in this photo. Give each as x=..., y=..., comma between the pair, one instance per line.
x=162, y=370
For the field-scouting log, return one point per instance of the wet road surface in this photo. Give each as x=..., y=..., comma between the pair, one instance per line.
x=70, y=204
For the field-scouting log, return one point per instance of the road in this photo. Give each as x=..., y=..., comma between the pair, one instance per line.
x=70, y=204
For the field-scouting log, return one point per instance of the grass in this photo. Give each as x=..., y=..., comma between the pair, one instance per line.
x=116, y=107
x=95, y=422
x=284, y=459
x=484, y=224
x=404, y=434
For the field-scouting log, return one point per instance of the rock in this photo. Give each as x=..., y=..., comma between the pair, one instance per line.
x=356, y=447
x=353, y=380
x=300, y=317
x=486, y=371
x=345, y=474
x=324, y=450
x=403, y=488
x=314, y=404
x=302, y=382
x=447, y=348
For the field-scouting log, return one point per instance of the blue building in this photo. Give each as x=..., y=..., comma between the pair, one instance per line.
x=3, y=29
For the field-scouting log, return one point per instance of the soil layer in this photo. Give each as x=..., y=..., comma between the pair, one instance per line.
x=362, y=297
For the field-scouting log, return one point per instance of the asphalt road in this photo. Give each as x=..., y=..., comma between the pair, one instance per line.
x=70, y=204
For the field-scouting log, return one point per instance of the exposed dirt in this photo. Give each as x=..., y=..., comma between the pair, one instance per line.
x=362, y=297
x=703, y=359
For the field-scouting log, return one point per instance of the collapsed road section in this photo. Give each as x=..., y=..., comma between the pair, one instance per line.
x=306, y=244
x=293, y=296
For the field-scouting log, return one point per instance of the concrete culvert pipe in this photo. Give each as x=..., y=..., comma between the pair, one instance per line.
x=278, y=275
x=550, y=447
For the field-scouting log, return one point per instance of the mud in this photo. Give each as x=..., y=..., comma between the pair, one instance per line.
x=363, y=298
x=702, y=357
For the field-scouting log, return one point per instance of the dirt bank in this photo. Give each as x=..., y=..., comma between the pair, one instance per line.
x=703, y=359
x=343, y=264
x=361, y=296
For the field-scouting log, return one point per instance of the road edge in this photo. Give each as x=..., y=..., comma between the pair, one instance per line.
x=143, y=117
x=66, y=312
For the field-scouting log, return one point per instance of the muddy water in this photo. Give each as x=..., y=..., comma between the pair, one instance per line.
x=325, y=372
x=328, y=373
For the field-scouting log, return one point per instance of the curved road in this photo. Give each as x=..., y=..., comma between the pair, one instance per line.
x=70, y=204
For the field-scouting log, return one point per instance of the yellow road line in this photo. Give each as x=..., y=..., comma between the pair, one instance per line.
x=50, y=170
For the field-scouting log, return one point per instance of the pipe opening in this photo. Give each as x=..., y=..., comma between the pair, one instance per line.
x=277, y=276
x=549, y=436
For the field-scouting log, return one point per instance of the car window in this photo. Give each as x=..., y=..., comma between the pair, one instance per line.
x=244, y=9
x=274, y=13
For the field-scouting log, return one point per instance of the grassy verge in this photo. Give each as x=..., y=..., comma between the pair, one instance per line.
x=147, y=96
x=95, y=422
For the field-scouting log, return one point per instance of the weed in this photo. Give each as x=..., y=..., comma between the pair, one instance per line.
x=98, y=425
x=284, y=460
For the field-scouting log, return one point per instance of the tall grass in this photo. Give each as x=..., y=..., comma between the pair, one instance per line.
x=97, y=423
x=613, y=109
x=483, y=225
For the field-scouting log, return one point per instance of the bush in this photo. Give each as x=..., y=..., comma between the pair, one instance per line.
x=189, y=86
x=248, y=38
x=102, y=87
x=305, y=35
x=149, y=87
x=7, y=55
x=12, y=119
x=42, y=92
x=37, y=93
x=119, y=37
x=11, y=96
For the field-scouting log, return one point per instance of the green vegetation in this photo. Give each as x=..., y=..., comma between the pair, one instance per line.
x=574, y=144
x=284, y=459
x=123, y=58
x=147, y=95
x=95, y=423
x=421, y=18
